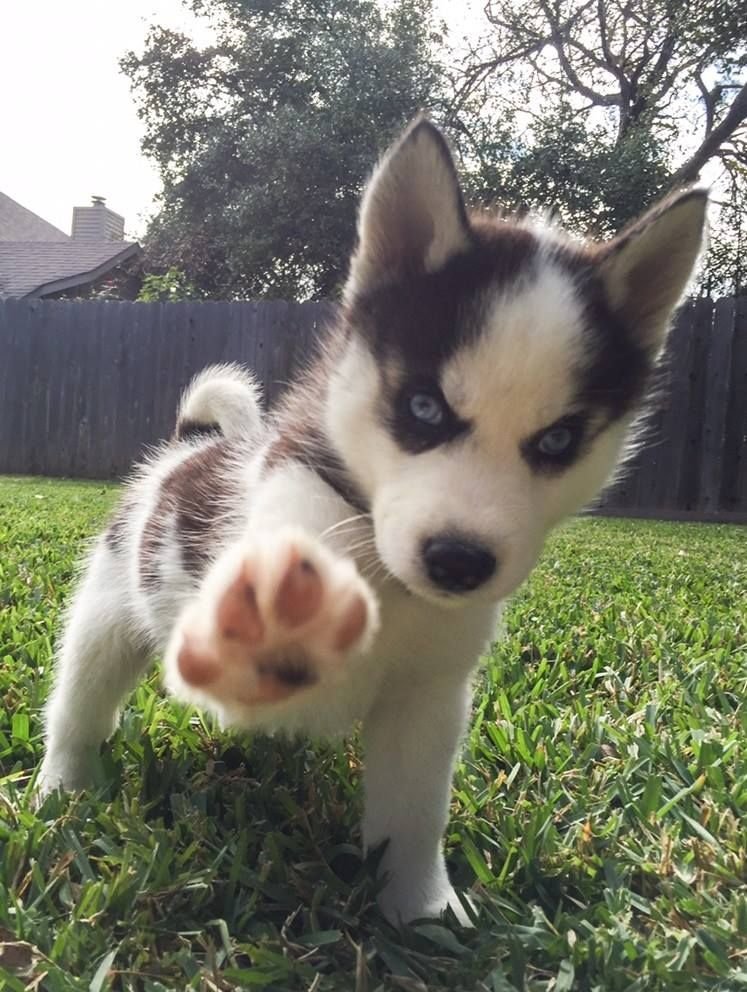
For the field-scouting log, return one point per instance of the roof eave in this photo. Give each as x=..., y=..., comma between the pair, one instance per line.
x=83, y=278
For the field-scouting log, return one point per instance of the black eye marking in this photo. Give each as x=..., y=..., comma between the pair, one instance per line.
x=421, y=419
x=556, y=446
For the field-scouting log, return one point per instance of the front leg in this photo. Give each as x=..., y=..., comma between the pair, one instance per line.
x=279, y=611
x=411, y=740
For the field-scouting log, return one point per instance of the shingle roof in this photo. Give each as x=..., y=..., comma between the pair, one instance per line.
x=19, y=224
x=40, y=268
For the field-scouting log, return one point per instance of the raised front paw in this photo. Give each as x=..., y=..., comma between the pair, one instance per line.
x=273, y=618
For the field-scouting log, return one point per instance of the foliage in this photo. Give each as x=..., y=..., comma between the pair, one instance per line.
x=169, y=287
x=570, y=168
x=263, y=139
x=619, y=101
x=726, y=271
x=598, y=812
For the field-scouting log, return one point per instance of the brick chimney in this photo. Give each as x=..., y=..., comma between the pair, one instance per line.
x=97, y=222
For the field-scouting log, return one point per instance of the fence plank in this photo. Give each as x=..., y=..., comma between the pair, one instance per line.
x=688, y=476
x=105, y=385
x=733, y=490
x=23, y=381
x=718, y=377
x=673, y=391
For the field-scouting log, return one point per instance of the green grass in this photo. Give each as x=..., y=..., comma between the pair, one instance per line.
x=598, y=814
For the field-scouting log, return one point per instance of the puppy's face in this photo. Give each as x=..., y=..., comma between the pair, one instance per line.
x=491, y=370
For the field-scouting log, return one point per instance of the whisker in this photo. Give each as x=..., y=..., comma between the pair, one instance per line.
x=362, y=545
x=342, y=523
x=376, y=570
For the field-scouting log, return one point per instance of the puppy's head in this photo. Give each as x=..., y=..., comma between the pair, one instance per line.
x=491, y=368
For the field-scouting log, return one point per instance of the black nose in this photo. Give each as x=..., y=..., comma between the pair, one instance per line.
x=457, y=565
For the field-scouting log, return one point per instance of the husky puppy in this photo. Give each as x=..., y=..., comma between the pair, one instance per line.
x=345, y=558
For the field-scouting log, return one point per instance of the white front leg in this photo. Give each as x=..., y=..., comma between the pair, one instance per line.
x=411, y=741
x=279, y=613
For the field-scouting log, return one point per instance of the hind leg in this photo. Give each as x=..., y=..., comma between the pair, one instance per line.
x=99, y=660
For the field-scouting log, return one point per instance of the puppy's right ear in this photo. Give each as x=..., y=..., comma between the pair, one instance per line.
x=412, y=218
x=646, y=268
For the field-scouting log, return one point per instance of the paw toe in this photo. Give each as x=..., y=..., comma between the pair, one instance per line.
x=195, y=667
x=354, y=623
x=300, y=593
x=238, y=613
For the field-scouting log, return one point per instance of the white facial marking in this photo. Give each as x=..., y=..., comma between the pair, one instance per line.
x=524, y=359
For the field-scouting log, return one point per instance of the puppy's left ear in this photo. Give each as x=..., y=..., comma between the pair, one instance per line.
x=646, y=269
x=412, y=217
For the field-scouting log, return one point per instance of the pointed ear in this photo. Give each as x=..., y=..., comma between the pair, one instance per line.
x=647, y=268
x=412, y=216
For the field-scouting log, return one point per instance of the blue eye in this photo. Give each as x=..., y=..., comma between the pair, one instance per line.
x=420, y=417
x=555, y=441
x=557, y=446
x=427, y=409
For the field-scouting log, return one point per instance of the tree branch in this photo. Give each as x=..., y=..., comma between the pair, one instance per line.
x=736, y=115
x=557, y=39
x=606, y=50
x=709, y=99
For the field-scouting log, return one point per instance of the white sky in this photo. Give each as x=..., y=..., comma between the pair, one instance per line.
x=69, y=128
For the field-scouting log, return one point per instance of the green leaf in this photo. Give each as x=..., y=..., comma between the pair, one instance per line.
x=20, y=726
x=564, y=978
x=319, y=938
x=442, y=937
x=102, y=972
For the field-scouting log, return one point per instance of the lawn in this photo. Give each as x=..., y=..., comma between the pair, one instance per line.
x=598, y=812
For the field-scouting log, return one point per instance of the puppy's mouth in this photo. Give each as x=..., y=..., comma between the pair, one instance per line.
x=439, y=597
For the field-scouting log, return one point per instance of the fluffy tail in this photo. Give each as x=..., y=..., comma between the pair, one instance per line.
x=221, y=399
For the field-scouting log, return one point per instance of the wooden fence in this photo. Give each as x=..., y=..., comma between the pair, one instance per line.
x=85, y=387
x=694, y=464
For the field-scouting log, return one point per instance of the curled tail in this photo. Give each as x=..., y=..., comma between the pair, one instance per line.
x=223, y=399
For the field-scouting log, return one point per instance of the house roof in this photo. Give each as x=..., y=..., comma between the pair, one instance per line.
x=33, y=268
x=19, y=224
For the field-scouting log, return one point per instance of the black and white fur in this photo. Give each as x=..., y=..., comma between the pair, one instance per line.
x=345, y=559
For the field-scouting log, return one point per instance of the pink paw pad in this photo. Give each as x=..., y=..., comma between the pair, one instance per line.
x=289, y=614
x=238, y=614
x=300, y=593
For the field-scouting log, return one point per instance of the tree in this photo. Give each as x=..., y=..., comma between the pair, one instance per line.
x=264, y=139
x=568, y=166
x=629, y=97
